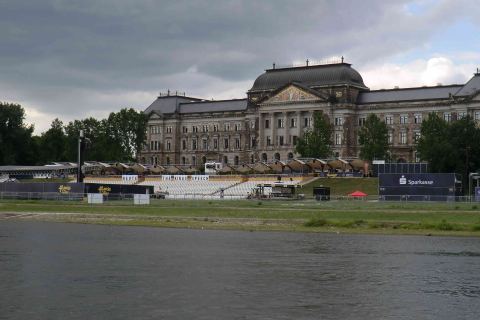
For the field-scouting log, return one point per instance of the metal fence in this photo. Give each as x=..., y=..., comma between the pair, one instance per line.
x=119, y=198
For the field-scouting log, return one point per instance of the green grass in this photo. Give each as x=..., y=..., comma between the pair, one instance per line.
x=343, y=186
x=308, y=215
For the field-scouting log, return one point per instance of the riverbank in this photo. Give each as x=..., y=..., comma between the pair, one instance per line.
x=305, y=216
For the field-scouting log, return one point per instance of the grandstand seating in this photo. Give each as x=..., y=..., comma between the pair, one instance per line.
x=200, y=187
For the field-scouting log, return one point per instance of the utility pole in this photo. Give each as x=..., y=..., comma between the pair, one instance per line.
x=81, y=148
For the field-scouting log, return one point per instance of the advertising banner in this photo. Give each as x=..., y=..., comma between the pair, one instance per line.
x=417, y=187
x=42, y=190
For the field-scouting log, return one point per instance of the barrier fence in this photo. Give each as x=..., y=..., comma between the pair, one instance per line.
x=120, y=198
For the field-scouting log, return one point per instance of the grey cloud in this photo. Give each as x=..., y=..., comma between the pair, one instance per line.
x=51, y=48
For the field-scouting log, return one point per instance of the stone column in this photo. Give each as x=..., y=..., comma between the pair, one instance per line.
x=261, y=131
x=286, y=129
x=273, y=125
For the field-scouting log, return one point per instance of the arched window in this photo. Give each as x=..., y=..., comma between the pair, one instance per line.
x=236, y=160
x=276, y=157
x=264, y=157
x=168, y=160
x=290, y=156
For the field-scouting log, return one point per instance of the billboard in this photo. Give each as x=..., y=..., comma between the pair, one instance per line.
x=113, y=189
x=418, y=186
x=42, y=190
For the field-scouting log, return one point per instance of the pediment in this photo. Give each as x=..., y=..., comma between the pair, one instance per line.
x=292, y=93
x=154, y=115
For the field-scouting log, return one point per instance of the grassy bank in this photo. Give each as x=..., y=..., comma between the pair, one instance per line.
x=312, y=216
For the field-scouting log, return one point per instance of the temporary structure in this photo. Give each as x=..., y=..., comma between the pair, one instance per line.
x=358, y=194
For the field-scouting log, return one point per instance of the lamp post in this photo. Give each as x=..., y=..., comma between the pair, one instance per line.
x=81, y=147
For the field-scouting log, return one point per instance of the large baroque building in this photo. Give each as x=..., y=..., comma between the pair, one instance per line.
x=279, y=108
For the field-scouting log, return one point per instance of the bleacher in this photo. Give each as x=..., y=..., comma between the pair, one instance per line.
x=199, y=186
x=189, y=187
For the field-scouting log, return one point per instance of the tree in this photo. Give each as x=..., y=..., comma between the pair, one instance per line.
x=373, y=139
x=450, y=147
x=16, y=143
x=126, y=133
x=434, y=145
x=52, y=143
x=316, y=142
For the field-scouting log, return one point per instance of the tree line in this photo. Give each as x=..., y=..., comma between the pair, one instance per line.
x=447, y=146
x=119, y=137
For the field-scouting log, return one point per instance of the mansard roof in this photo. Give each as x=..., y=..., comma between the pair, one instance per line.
x=311, y=76
x=168, y=104
x=214, y=106
x=471, y=87
x=408, y=94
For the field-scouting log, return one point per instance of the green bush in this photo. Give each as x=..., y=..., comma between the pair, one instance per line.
x=316, y=222
x=444, y=226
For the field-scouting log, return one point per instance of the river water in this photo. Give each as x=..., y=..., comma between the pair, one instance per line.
x=73, y=271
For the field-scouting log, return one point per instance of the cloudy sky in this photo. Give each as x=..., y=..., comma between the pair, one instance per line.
x=75, y=59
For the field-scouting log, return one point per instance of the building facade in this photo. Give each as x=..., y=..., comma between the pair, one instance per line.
x=279, y=109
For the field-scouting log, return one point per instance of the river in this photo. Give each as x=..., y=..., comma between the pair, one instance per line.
x=74, y=271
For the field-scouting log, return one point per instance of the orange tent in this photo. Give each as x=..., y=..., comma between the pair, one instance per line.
x=358, y=194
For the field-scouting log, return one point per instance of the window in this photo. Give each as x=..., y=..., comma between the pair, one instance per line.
x=205, y=144
x=307, y=122
x=236, y=160
x=338, y=138
x=267, y=123
x=194, y=144
x=225, y=144
x=237, y=143
x=339, y=121
x=389, y=119
x=169, y=145
x=476, y=116
x=225, y=159
x=151, y=145
x=461, y=114
x=227, y=126
x=254, y=142
x=293, y=123
x=280, y=140
x=184, y=161
x=184, y=129
x=295, y=138
x=403, y=119
x=403, y=137
x=168, y=160
x=264, y=157
x=390, y=137
x=169, y=129
x=417, y=156
x=194, y=129
x=215, y=144
x=238, y=127
x=205, y=128
x=184, y=144
x=194, y=160
x=215, y=127
x=361, y=121
x=447, y=116
x=417, y=118
x=269, y=141
x=280, y=123
x=416, y=136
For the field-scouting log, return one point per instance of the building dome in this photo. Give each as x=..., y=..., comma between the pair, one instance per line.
x=311, y=76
